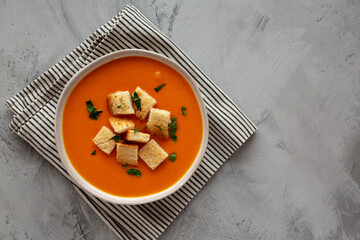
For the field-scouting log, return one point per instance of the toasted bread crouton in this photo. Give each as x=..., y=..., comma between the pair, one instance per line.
x=102, y=140
x=158, y=122
x=152, y=154
x=120, y=103
x=121, y=125
x=147, y=102
x=127, y=154
x=133, y=136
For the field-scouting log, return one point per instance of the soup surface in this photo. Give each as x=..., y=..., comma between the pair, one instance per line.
x=125, y=74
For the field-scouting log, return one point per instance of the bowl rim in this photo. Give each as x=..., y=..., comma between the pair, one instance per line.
x=78, y=179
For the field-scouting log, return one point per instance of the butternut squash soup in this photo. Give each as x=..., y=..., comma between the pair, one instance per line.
x=132, y=127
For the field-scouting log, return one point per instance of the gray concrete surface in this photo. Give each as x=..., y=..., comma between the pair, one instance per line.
x=292, y=66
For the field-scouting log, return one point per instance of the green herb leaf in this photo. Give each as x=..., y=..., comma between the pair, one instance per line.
x=124, y=166
x=95, y=114
x=116, y=138
x=159, y=87
x=90, y=106
x=92, y=110
x=93, y=153
x=134, y=171
x=160, y=130
x=172, y=157
x=135, y=99
x=136, y=130
x=183, y=109
x=120, y=106
x=172, y=129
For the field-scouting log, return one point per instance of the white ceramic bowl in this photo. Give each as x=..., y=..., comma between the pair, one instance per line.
x=59, y=139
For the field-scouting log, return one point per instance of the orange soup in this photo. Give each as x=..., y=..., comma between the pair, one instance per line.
x=125, y=74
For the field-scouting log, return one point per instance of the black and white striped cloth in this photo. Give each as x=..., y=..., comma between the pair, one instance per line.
x=34, y=110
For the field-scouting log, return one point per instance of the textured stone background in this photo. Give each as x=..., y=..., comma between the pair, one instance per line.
x=293, y=68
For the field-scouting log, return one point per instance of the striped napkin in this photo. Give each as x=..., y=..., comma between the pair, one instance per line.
x=34, y=110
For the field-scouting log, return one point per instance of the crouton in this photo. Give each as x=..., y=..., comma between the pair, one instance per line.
x=147, y=102
x=127, y=154
x=133, y=136
x=121, y=125
x=120, y=103
x=152, y=154
x=158, y=122
x=102, y=140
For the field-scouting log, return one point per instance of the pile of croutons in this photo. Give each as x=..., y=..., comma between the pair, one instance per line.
x=122, y=103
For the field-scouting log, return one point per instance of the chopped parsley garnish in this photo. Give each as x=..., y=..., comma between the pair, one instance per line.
x=183, y=109
x=93, y=153
x=136, y=130
x=92, y=110
x=124, y=166
x=172, y=157
x=159, y=87
x=120, y=106
x=116, y=138
x=135, y=99
x=172, y=129
x=160, y=130
x=134, y=171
